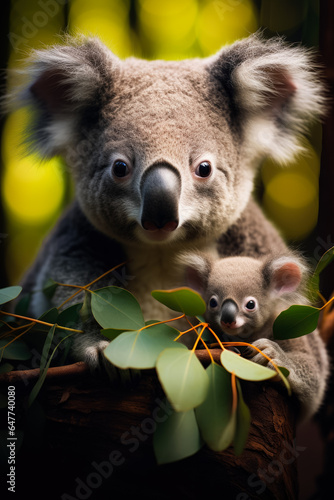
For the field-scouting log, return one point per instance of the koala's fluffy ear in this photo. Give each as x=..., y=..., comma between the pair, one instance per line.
x=274, y=92
x=284, y=275
x=197, y=267
x=61, y=84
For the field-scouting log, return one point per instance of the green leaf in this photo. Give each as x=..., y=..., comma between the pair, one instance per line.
x=70, y=317
x=296, y=321
x=140, y=349
x=22, y=306
x=214, y=415
x=111, y=333
x=284, y=373
x=177, y=437
x=183, y=378
x=86, y=311
x=325, y=259
x=243, y=423
x=9, y=293
x=46, y=347
x=43, y=372
x=313, y=287
x=244, y=368
x=17, y=350
x=6, y=367
x=181, y=299
x=50, y=288
x=114, y=307
x=50, y=316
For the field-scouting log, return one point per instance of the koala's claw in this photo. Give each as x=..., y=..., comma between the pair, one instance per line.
x=269, y=348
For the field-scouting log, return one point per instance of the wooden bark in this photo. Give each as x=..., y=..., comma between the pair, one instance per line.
x=90, y=424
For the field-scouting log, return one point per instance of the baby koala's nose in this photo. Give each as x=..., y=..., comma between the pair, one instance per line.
x=229, y=313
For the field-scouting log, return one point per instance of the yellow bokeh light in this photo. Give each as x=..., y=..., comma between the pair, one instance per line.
x=291, y=201
x=223, y=22
x=33, y=193
x=306, y=163
x=109, y=20
x=169, y=26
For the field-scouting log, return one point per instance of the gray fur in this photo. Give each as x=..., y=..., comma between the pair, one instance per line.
x=251, y=100
x=274, y=283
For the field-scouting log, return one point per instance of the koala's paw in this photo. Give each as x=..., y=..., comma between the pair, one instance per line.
x=270, y=349
x=93, y=354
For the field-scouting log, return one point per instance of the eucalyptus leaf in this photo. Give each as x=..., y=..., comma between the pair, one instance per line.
x=214, y=414
x=243, y=423
x=9, y=293
x=22, y=306
x=284, y=373
x=49, y=288
x=46, y=347
x=183, y=378
x=50, y=316
x=86, y=311
x=325, y=259
x=313, y=287
x=177, y=437
x=70, y=317
x=6, y=367
x=244, y=368
x=17, y=350
x=114, y=307
x=43, y=372
x=182, y=300
x=111, y=333
x=296, y=321
x=140, y=349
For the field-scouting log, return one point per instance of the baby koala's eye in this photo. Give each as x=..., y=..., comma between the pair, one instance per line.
x=120, y=169
x=203, y=169
x=250, y=304
x=213, y=303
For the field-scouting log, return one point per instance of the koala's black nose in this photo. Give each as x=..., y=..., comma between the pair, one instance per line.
x=229, y=312
x=160, y=192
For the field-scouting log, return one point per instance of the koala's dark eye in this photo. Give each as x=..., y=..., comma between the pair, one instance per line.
x=204, y=169
x=120, y=169
x=213, y=303
x=250, y=304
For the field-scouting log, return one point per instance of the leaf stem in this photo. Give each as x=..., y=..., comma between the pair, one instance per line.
x=161, y=322
x=85, y=287
x=199, y=335
x=18, y=336
x=33, y=320
x=216, y=337
x=234, y=393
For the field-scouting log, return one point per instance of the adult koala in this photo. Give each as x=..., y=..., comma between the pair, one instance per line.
x=163, y=155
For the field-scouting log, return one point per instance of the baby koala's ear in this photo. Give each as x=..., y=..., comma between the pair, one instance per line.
x=196, y=267
x=284, y=274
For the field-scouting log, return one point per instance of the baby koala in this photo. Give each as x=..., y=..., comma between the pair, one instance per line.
x=244, y=295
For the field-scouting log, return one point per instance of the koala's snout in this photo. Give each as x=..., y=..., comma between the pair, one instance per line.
x=160, y=194
x=229, y=313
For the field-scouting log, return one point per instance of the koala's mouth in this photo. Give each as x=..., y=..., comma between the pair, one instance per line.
x=156, y=235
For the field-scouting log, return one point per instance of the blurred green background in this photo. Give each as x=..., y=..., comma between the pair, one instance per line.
x=34, y=194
